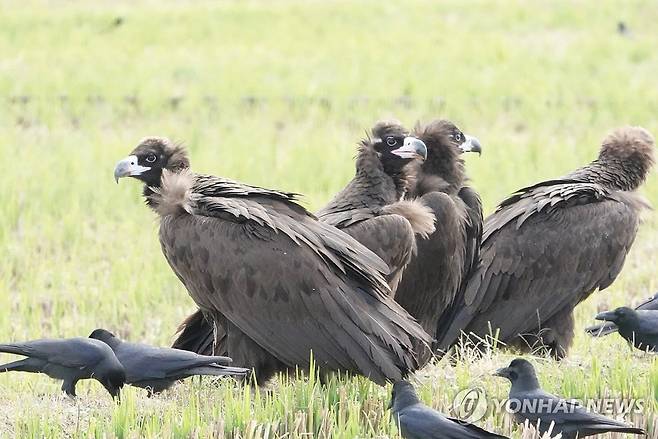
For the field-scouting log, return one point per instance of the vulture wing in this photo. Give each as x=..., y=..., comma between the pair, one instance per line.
x=433, y=277
x=546, y=249
x=289, y=282
x=472, y=228
x=196, y=334
x=390, y=237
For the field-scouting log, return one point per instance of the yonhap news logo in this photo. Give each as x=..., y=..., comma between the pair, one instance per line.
x=472, y=404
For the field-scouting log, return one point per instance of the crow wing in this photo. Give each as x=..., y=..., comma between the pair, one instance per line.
x=75, y=352
x=421, y=422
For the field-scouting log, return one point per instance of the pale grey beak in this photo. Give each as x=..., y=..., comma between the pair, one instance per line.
x=471, y=144
x=411, y=148
x=129, y=167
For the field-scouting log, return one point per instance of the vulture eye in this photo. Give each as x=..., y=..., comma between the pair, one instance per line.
x=458, y=137
x=390, y=141
x=151, y=158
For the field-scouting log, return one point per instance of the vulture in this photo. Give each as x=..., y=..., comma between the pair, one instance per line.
x=283, y=288
x=435, y=276
x=550, y=413
x=550, y=245
x=69, y=360
x=369, y=209
x=639, y=328
x=607, y=328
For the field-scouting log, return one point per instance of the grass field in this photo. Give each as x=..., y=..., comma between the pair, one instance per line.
x=277, y=93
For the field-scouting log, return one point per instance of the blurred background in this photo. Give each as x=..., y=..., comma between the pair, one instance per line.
x=278, y=93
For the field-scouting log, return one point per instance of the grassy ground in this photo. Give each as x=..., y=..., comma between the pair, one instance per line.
x=277, y=94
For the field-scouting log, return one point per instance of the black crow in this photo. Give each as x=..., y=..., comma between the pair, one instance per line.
x=527, y=401
x=608, y=328
x=281, y=285
x=70, y=360
x=156, y=369
x=640, y=328
x=415, y=420
x=550, y=245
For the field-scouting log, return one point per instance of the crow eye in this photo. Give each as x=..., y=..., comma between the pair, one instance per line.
x=151, y=158
x=390, y=141
x=458, y=137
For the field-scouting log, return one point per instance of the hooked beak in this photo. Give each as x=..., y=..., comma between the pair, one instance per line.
x=129, y=167
x=411, y=148
x=608, y=316
x=471, y=144
x=502, y=372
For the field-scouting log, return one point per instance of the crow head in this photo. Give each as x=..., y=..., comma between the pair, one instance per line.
x=150, y=158
x=521, y=374
x=630, y=151
x=113, y=381
x=621, y=316
x=403, y=395
x=105, y=336
x=393, y=146
x=445, y=143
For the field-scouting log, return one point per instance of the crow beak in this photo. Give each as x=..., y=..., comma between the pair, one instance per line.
x=411, y=149
x=608, y=316
x=503, y=373
x=129, y=167
x=471, y=144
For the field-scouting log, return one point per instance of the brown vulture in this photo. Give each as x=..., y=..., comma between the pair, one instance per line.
x=283, y=286
x=550, y=245
x=369, y=209
x=434, y=277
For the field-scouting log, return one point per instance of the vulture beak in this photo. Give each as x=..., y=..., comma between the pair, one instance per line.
x=503, y=373
x=471, y=144
x=411, y=149
x=608, y=316
x=129, y=167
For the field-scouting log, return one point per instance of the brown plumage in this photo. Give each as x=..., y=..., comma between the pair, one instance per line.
x=370, y=208
x=549, y=246
x=280, y=283
x=433, y=279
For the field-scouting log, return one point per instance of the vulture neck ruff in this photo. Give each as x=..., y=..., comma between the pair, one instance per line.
x=386, y=177
x=174, y=195
x=612, y=173
x=443, y=171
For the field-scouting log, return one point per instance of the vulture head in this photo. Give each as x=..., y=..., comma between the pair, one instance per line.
x=445, y=143
x=150, y=158
x=621, y=316
x=630, y=151
x=521, y=373
x=394, y=148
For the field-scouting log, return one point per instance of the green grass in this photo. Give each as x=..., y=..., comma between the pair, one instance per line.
x=277, y=94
